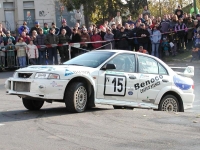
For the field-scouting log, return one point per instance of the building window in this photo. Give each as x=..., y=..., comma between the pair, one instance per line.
x=8, y=5
x=28, y=4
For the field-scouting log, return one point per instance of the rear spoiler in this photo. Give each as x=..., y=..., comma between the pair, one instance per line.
x=188, y=72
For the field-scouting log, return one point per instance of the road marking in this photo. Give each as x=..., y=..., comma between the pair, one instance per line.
x=2, y=124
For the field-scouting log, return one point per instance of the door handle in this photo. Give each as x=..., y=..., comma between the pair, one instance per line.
x=164, y=80
x=132, y=77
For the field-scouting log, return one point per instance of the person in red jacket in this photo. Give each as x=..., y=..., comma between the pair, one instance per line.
x=96, y=37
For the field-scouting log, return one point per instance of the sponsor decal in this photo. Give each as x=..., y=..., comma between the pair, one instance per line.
x=181, y=82
x=68, y=73
x=130, y=92
x=143, y=76
x=148, y=84
x=114, y=72
x=54, y=84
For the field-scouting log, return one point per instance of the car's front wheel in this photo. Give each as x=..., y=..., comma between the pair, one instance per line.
x=32, y=104
x=169, y=103
x=76, y=97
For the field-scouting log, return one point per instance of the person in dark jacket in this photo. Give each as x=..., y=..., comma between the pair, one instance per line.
x=52, y=51
x=181, y=30
x=40, y=43
x=36, y=28
x=76, y=38
x=57, y=30
x=64, y=26
x=135, y=44
x=116, y=35
x=143, y=36
x=179, y=12
x=63, y=50
x=123, y=40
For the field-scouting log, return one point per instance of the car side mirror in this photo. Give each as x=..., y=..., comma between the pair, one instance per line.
x=108, y=66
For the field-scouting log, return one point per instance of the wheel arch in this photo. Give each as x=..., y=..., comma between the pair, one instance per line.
x=90, y=88
x=177, y=96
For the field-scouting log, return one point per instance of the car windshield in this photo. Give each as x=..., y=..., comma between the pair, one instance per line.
x=91, y=59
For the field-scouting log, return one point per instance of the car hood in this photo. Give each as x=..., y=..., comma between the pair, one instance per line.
x=58, y=69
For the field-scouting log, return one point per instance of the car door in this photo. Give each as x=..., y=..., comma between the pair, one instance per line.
x=118, y=84
x=152, y=78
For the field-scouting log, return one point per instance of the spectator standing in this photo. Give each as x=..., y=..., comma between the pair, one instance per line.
x=179, y=12
x=32, y=52
x=135, y=44
x=76, y=38
x=2, y=29
x=118, y=19
x=155, y=41
x=109, y=36
x=57, y=30
x=46, y=29
x=8, y=36
x=198, y=18
x=173, y=40
x=52, y=51
x=116, y=35
x=33, y=36
x=40, y=40
x=147, y=20
x=181, y=29
x=146, y=12
x=123, y=40
x=85, y=38
x=24, y=26
x=21, y=52
x=10, y=48
x=173, y=22
x=112, y=21
x=78, y=16
x=94, y=38
x=64, y=26
x=130, y=21
x=190, y=33
x=2, y=55
x=25, y=37
x=36, y=28
x=143, y=36
x=63, y=50
x=164, y=26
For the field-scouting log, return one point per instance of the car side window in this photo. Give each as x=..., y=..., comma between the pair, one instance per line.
x=162, y=70
x=147, y=65
x=124, y=63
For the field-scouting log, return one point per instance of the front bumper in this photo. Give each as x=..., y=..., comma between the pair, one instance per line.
x=36, y=88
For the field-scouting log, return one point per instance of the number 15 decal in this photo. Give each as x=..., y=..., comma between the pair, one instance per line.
x=115, y=85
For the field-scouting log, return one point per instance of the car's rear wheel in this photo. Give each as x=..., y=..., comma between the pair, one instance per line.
x=169, y=103
x=76, y=97
x=32, y=104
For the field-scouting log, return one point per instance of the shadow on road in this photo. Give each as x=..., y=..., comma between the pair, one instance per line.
x=21, y=115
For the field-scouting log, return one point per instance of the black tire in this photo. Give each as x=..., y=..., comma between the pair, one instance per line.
x=32, y=104
x=76, y=97
x=117, y=107
x=169, y=103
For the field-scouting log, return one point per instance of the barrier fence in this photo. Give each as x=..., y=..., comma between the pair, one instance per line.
x=10, y=59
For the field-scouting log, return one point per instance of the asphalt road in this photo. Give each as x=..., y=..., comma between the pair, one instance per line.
x=100, y=128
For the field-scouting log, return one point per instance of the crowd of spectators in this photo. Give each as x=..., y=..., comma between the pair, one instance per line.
x=170, y=34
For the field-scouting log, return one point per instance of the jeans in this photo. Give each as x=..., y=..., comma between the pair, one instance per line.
x=42, y=57
x=22, y=61
x=155, y=48
x=52, y=51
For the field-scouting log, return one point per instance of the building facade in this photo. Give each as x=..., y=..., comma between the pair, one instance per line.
x=15, y=12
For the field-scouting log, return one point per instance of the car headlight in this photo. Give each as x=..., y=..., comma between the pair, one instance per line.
x=46, y=76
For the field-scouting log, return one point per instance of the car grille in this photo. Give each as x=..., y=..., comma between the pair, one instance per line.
x=21, y=86
x=24, y=75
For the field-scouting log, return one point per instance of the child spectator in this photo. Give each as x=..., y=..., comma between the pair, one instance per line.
x=10, y=49
x=32, y=52
x=165, y=46
x=172, y=38
x=21, y=52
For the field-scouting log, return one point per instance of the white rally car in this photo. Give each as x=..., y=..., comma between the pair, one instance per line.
x=112, y=77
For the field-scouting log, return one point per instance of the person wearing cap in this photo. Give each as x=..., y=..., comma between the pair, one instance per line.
x=21, y=29
x=66, y=27
x=50, y=39
x=85, y=38
x=179, y=12
x=181, y=30
x=36, y=28
x=46, y=29
x=57, y=30
x=8, y=36
x=63, y=50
